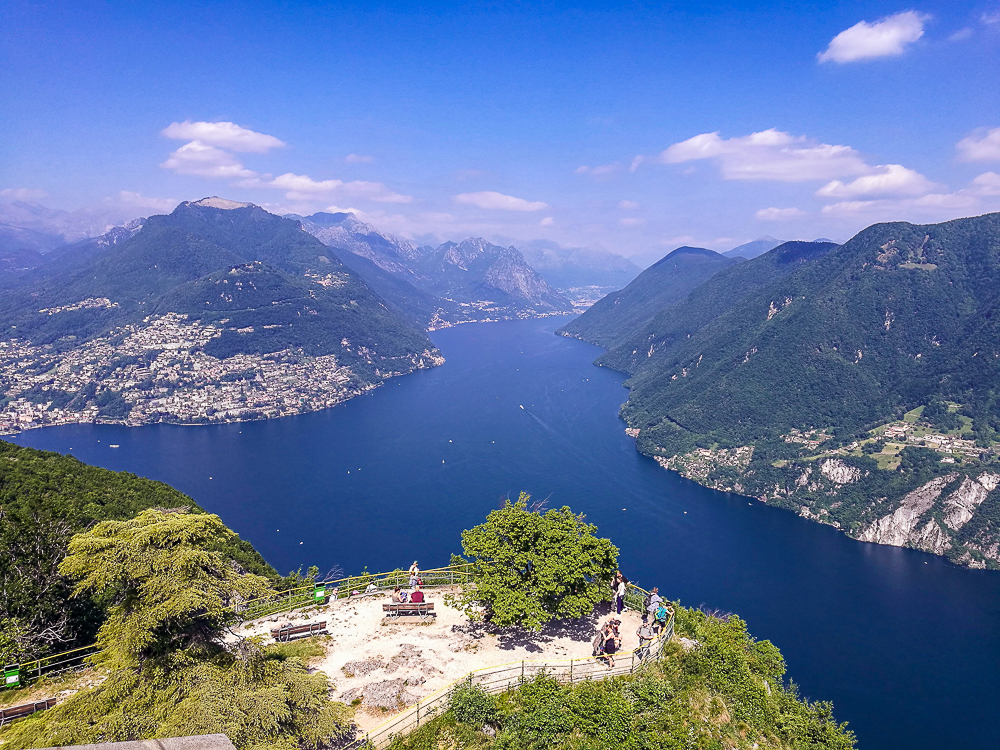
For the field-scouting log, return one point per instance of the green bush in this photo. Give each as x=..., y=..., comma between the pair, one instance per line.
x=472, y=705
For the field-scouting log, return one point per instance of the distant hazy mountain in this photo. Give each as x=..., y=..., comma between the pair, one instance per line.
x=453, y=282
x=568, y=267
x=752, y=249
x=475, y=269
x=44, y=228
x=213, y=294
x=664, y=283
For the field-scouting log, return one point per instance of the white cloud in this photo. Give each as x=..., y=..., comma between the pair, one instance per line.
x=891, y=179
x=303, y=187
x=358, y=159
x=990, y=19
x=629, y=205
x=197, y=158
x=779, y=214
x=684, y=239
x=885, y=38
x=903, y=208
x=636, y=162
x=129, y=199
x=345, y=210
x=548, y=221
x=631, y=221
x=987, y=183
x=605, y=170
x=960, y=35
x=22, y=194
x=986, y=148
x=223, y=134
x=493, y=200
x=769, y=155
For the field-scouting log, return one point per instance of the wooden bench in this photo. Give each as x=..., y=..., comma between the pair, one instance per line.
x=288, y=632
x=11, y=713
x=423, y=610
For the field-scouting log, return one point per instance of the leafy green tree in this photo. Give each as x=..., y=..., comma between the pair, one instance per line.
x=168, y=671
x=529, y=567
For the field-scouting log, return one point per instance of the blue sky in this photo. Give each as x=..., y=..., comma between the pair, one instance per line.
x=629, y=125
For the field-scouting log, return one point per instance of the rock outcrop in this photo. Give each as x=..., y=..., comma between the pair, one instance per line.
x=926, y=521
x=898, y=527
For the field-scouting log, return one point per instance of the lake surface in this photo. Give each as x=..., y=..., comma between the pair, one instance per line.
x=906, y=645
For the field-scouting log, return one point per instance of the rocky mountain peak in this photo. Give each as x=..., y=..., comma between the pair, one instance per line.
x=223, y=203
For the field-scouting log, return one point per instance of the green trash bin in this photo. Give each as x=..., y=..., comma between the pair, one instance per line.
x=319, y=595
x=12, y=676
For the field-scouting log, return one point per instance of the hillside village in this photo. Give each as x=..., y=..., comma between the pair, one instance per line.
x=157, y=372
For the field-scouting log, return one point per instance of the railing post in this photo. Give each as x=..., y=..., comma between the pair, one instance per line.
x=418, y=713
x=522, y=670
x=570, y=671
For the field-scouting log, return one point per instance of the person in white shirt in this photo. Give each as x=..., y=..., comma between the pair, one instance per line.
x=620, y=593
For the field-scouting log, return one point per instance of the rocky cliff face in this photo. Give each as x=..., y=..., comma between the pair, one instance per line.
x=496, y=280
x=923, y=520
x=955, y=514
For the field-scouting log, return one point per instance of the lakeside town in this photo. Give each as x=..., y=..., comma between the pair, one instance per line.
x=157, y=372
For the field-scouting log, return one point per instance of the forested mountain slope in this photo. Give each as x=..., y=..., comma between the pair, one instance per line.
x=228, y=310
x=777, y=395
x=664, y=283
x=673, y=324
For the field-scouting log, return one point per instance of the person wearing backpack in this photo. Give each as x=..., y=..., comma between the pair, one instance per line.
x=650, y=605
x=662, y=614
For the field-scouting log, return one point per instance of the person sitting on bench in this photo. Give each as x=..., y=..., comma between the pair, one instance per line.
x=417, y=597
x=398, y=596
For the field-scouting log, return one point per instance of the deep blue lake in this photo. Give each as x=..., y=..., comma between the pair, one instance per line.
x=906, y=645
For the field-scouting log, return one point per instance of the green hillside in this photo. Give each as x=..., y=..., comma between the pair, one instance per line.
x=666, y=282
x=802, y=365
x=673, y=324
x=178, y=259
x=45, y=498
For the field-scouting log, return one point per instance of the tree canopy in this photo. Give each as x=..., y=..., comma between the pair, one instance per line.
x=529, y=567
x=167, y=589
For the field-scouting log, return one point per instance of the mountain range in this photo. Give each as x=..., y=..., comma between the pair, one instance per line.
x=451, y=283
x=854, y=384
x=754, y=248
x=572, y=267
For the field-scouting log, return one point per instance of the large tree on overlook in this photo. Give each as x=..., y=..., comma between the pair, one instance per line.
x=530, y=567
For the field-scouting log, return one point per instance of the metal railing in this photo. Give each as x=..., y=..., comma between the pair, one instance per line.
x=310, y=594
x=18, y=675
x=502, y=677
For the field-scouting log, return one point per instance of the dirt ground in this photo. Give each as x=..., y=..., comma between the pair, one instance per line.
x=381, y=665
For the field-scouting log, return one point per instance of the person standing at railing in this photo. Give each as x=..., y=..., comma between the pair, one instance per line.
x=651, y=604
x=646, y=635
x=620, y=588
x=414, y=574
